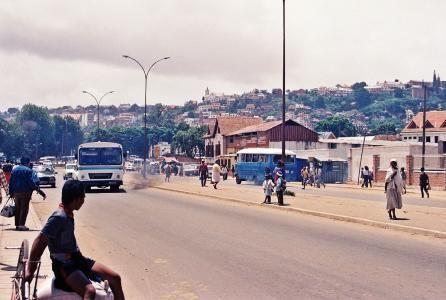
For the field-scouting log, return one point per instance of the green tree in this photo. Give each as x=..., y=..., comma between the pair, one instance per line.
x=189, y=142
x=38, y=131
x=340, y=126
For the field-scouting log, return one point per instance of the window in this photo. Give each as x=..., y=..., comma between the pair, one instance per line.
x=289, y=158
x=436, y=139
x=231, y=139
x=420, y=139
x=248, y=158
x=255, y=158
x=262, y=158
x=355, y=146
x=332, y=145
x=405, y=137
x=428, y=139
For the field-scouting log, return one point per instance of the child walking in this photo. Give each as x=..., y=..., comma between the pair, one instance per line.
x=268, y=187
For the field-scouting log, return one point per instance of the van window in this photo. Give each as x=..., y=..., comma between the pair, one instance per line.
x=255, y=158
x=262, y=158
x=248, y=157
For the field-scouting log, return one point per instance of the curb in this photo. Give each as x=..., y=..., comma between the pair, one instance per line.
x=383, y=225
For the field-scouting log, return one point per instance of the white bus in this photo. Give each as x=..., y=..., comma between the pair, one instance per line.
x=100, y=164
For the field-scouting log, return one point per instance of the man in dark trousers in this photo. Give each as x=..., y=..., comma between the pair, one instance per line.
x=21, y=187
x=203, y=172
x=424, y=183
x=280, y=188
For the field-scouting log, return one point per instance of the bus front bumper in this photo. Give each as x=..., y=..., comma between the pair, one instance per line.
x=101, y=183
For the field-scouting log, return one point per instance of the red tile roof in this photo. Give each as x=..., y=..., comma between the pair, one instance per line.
x=435, y=118
x=231, y=124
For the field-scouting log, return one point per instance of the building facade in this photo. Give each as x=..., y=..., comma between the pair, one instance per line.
x=435, y=128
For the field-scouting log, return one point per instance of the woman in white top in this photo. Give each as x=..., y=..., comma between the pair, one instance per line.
x=216, y=174
x=393, y=189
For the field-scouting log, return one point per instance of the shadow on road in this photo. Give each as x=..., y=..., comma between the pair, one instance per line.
x=104, y=191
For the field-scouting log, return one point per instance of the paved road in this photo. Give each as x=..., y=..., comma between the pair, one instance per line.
x=169, y=245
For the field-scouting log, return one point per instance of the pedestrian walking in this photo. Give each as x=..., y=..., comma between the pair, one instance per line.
x=305, y=177
x=216, y=170
x=404, y=178
x=280, y=187
x=203, y=173
x=224, y=172
x=167, y=172
x=181, y=170
x=319, y=178
x=7, y=169
x=424, y=183
x=366, y=176
x=21, y=188
x=268, y=188
x=393, y=189
x=233, y=171
x=3, y=185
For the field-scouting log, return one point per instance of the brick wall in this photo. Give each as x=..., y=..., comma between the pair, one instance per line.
x=437, y=178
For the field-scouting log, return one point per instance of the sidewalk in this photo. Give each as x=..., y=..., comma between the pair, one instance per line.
x=414, y=218
x=8, y=257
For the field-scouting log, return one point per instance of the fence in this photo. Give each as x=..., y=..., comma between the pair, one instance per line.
x=434, y=165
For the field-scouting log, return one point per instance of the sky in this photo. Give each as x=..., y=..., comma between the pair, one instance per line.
x=52, y=50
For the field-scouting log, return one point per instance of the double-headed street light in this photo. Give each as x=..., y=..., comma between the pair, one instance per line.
x=146, y=75
x=98, y=102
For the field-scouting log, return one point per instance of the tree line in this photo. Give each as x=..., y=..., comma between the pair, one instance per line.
x=35, y=133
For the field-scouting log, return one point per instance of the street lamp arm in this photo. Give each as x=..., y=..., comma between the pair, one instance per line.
x=164, y=58
x=144, y=70
x=94, y=97
x=105, y=95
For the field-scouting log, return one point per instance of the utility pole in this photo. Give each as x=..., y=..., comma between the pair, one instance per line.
x=424, y=125
x=283, y=88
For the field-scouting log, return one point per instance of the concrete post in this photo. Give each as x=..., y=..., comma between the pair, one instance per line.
x=376, y=162
x=409, y=169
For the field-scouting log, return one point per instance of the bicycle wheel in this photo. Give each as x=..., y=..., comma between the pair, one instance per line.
x=21, y=266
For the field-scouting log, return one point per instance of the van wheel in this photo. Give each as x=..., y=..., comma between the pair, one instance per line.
x=114, y=188
x=238, y=180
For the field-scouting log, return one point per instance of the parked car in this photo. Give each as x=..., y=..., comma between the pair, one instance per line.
x=69, y=170
x=46, y=175
x=130, y=166
x=190, y=170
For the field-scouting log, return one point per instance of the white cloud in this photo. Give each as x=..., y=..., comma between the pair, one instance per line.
x=51, y=50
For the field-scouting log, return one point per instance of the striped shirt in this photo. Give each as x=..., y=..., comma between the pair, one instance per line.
x=3, y=183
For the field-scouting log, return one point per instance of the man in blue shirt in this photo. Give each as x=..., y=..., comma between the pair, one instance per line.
x=21, y=187
x=72, y=270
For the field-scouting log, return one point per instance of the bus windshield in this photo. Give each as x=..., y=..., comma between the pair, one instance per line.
x=100, y=156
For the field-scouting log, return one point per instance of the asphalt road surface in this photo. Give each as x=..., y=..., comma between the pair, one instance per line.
x=172, y=246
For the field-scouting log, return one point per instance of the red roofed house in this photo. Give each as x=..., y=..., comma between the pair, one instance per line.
x=269, y=135
x=435, y=128
x=215, y=140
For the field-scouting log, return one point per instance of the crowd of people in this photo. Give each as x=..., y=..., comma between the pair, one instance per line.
x=312, y=176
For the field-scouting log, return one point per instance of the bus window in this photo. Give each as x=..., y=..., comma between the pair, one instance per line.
x=248, y=158
x=262, y=158
x=289, y=158
x=255, y=158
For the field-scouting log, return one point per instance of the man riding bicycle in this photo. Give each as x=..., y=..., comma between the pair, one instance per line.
x=72, y=270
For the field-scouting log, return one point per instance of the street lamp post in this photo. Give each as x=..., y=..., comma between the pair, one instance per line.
x=424, y=125
x=146, y=75
x=283, y=88
x=98, y=102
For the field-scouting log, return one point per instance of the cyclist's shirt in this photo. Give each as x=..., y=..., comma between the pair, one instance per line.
x=59, y=229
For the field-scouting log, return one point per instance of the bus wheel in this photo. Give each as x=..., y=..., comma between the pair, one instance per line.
x=238, y=180
x=114, y=188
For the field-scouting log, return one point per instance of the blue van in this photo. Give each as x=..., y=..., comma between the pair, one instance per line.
x=252, y=163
